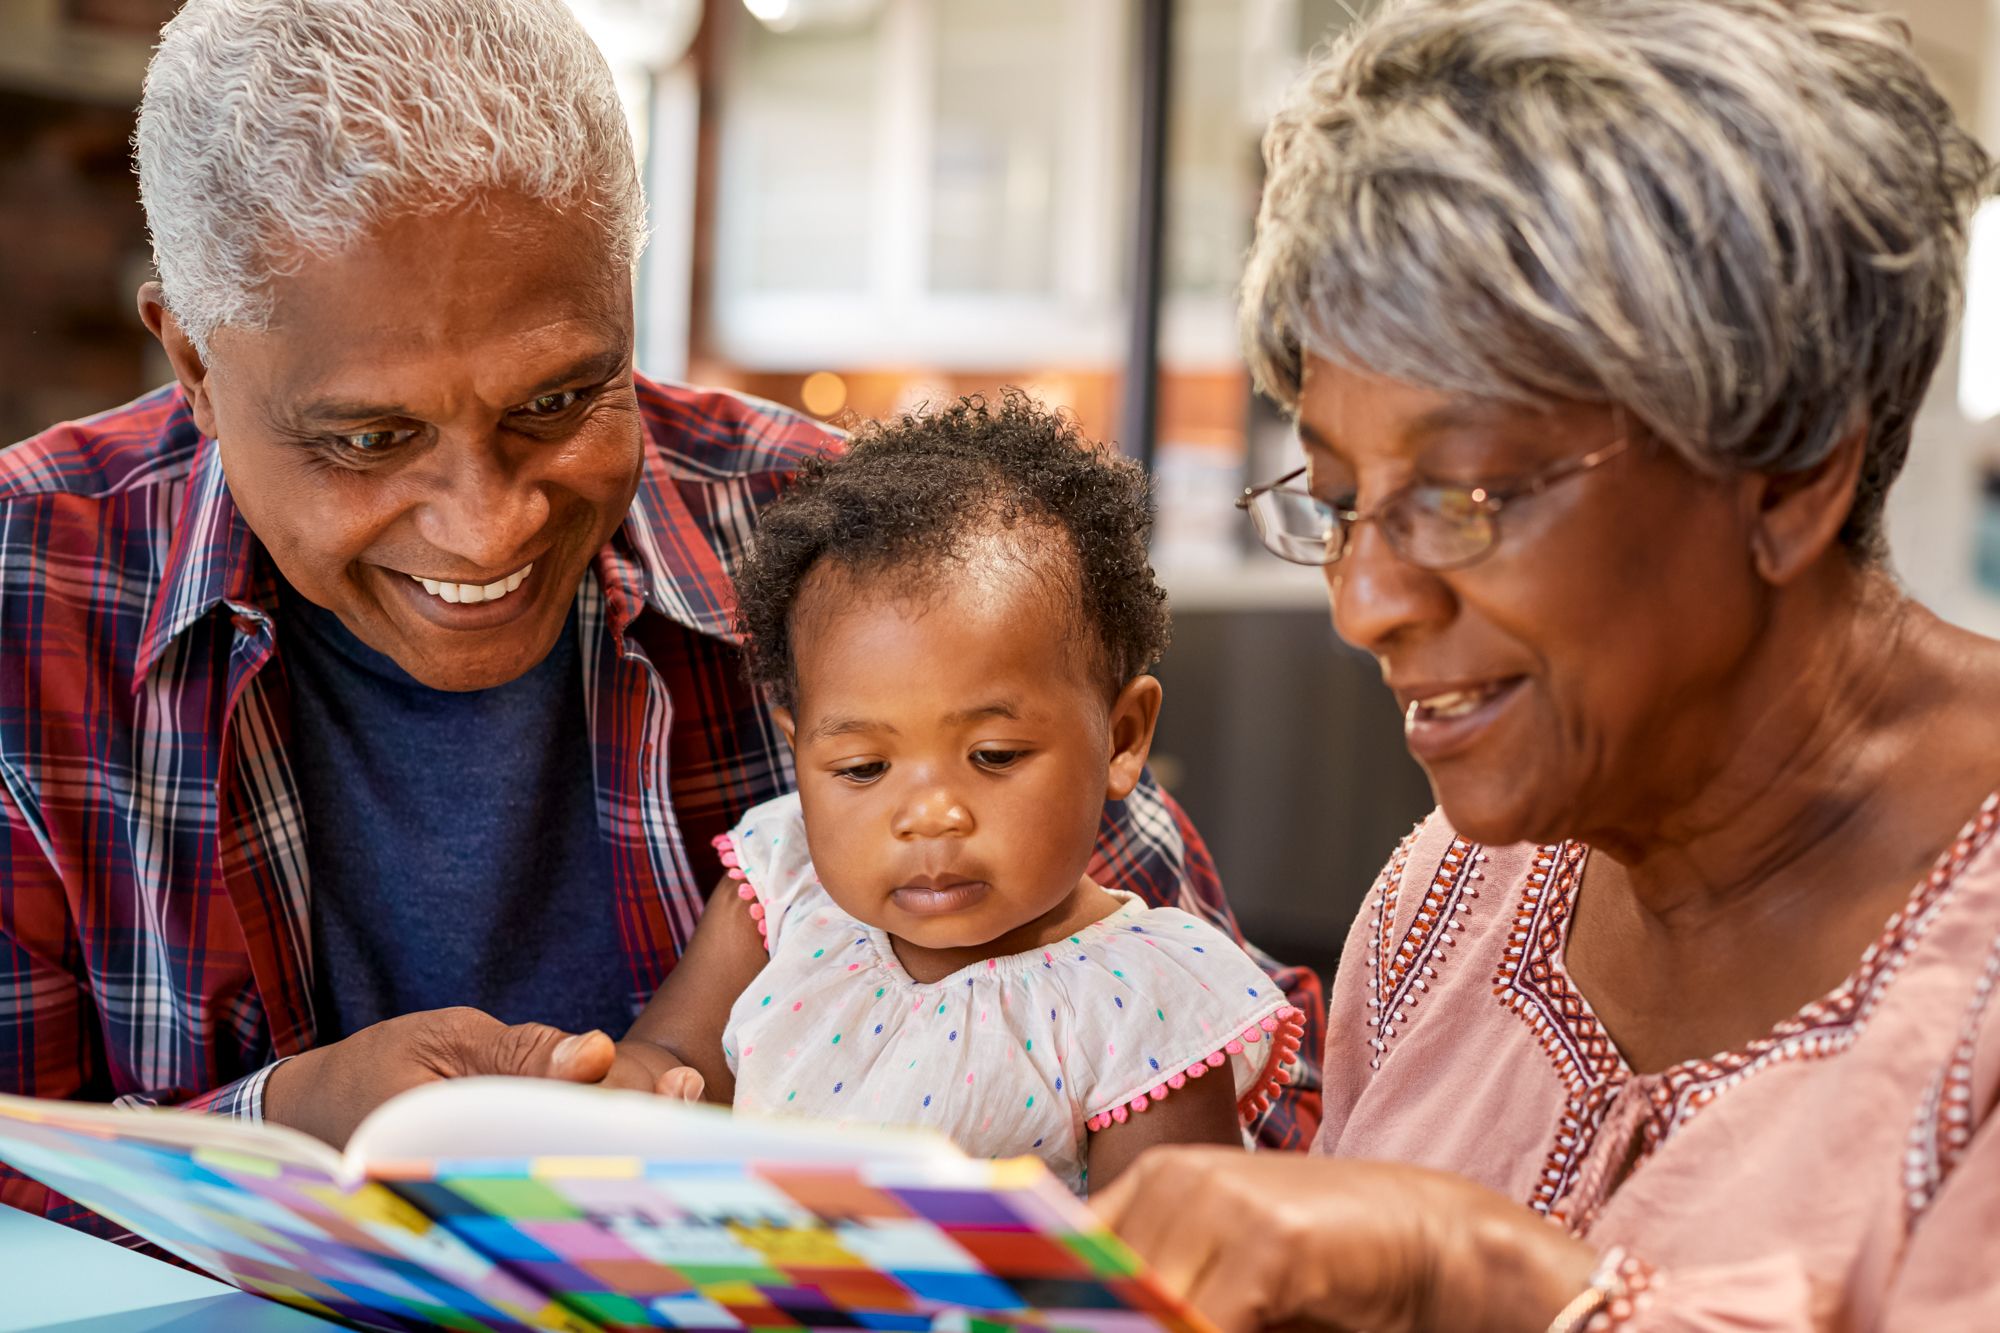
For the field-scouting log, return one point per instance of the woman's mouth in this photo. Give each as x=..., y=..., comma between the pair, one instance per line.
x=1441, y=722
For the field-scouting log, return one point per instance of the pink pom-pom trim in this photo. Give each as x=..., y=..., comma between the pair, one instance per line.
x=1286, y=1029
x=732, y=861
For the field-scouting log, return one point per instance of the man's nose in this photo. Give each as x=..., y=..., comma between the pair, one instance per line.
x=933, y=811
x=1378, y=596
x=484, y=508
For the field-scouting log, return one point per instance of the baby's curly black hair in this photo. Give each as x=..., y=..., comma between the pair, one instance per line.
x=908, y=497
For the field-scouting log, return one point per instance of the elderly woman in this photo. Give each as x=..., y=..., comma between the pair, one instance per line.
x=1604, y=324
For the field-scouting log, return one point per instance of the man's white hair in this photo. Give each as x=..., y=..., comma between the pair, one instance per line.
x=274, y=131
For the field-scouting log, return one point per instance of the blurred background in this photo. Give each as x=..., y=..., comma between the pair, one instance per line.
x=862, y=205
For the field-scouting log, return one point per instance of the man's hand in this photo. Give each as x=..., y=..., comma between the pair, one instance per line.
x=1272, y=1240
x=329, y=1091
x=645, y=1066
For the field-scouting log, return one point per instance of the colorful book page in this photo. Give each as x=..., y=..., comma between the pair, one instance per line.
x=357, y=1253
x=633, y=1244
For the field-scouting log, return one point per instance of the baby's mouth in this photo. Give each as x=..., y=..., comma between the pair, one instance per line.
x=938, y=895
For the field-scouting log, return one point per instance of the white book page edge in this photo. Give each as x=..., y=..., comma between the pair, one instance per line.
x=177, y=1128
x=521, y=1117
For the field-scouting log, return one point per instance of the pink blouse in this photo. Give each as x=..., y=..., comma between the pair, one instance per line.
x=1842, y=1172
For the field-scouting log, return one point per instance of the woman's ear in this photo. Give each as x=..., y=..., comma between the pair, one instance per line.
x=189, y=368
x=1800, y=514
x=1134, y=714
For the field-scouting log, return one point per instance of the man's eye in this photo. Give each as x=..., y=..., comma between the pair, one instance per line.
x=375, y=441
x=998, y=759
x=554, y=404
x=861, y=774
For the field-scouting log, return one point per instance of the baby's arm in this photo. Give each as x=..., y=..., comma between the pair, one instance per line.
x=681, y=1027
x=1204, y=1111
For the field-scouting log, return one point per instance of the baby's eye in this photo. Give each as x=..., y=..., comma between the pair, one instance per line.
x=996, y=760
x=861, y=774
x=553, y=404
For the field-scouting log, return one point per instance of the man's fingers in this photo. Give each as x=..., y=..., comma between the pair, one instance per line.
x=584, y=1058
x=684, y=1083
x=536, y=1050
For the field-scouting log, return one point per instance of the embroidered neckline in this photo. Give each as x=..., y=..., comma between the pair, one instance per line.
x=1401, y=972
x=1534, y=982
x=1943, y=1129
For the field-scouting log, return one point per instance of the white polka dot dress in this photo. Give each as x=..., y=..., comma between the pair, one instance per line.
x=1017, y=1055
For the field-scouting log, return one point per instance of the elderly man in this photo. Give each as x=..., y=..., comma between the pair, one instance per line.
x=363, y=692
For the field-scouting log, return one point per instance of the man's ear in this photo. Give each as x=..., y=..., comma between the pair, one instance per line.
x=788, y=725
x=1800, y=514
x=1134, y=714
x=189, y=368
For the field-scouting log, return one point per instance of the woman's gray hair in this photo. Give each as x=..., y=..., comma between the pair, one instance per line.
x=272, y=131
x=1742, y=221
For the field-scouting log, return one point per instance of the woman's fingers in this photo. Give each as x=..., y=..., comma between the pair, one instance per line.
x=1255, y=1241
x=1168, y=1208
x=1262, y=1241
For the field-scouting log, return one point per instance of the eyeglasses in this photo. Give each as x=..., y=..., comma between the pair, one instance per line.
x=1431, y=526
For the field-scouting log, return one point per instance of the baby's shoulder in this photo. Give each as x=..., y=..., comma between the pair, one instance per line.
x=767, y=855
x=1157, y=996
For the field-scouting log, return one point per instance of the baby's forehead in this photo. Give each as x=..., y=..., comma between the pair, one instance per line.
x=1025, y=587
x=1027, y=567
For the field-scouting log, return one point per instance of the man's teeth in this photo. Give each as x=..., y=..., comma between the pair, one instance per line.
x=474, y=592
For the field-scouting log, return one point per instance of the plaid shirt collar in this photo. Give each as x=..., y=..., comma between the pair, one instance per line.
x=654, y=562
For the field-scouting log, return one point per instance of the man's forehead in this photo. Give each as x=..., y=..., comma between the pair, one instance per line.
x=363, y=392
x=498, y=303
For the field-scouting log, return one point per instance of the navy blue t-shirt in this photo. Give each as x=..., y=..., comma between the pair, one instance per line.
x=452, y=839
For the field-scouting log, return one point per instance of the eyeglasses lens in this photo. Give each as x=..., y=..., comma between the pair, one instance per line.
x=1439, y=527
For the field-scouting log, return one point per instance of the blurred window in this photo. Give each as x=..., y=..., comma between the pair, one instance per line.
x=937, y=181
x=797, y=207
x=996, y=141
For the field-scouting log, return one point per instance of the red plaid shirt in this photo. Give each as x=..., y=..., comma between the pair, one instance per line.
x=155, y=937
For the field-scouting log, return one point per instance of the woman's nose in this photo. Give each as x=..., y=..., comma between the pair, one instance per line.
x=1378, y=596
x=484, y=509
x=933, y=812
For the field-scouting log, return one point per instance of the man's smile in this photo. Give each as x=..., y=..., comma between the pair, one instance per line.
x=446, y=590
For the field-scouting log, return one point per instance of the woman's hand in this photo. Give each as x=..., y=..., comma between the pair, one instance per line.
x=645, y=1066
x=1264, y=1240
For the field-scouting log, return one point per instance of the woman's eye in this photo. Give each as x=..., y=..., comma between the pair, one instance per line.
x=997, y=759
x=554, y=404
x=861, y=774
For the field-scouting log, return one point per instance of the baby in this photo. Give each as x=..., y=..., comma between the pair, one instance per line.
x=955, y=619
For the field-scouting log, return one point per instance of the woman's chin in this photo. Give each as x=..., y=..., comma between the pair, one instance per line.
x=1495, y=811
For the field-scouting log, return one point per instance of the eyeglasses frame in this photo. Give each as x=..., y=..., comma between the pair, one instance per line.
x=1489, y=500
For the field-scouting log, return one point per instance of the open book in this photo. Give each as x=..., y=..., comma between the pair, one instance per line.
x=509, y=1203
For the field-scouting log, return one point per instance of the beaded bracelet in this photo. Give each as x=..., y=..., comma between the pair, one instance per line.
x=1582, y=1308
x=1616, y=1285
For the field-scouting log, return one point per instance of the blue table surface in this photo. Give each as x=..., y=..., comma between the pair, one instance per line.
x=52, y=1277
